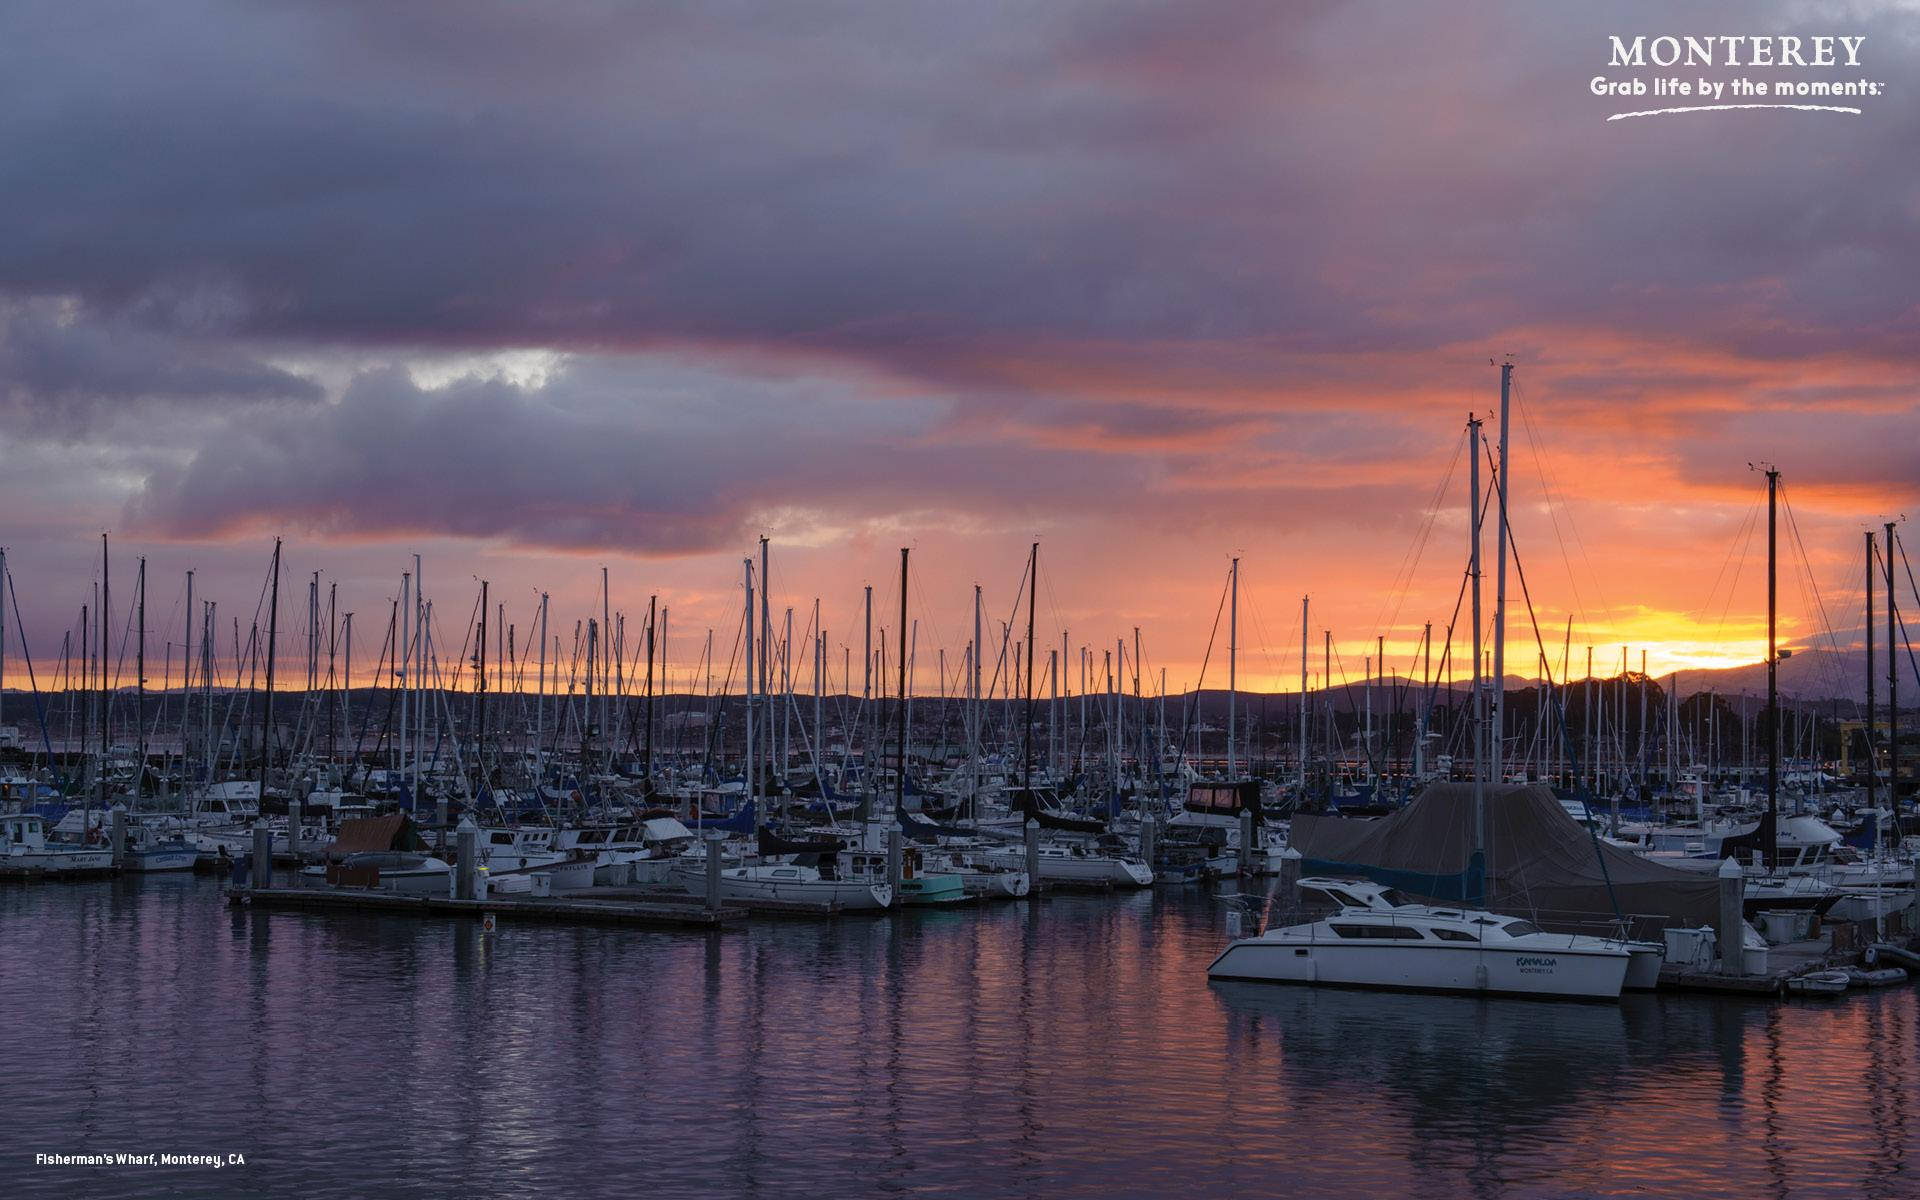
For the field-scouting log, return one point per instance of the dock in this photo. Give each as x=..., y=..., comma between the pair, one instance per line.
x=43, y=875
x=568, y=910
x=1785, y=960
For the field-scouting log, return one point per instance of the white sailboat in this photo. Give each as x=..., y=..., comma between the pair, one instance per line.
x=1376, y=941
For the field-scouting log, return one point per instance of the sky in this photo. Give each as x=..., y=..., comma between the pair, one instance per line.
x=533, y=290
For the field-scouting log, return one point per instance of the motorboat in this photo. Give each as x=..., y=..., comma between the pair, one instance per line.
x=1375, y=940
x=151, y=850
x=23, y=843
x=793, y=883
x=1072, y=862
x=923, y=883
x=519, y=847
x=1211, y=818
x=977, y=878
x=634, y=851
x=399, y=871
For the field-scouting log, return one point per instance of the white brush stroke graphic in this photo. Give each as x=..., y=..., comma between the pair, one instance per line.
x=1660, y=112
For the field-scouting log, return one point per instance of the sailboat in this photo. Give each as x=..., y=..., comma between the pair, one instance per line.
x=1375, y=940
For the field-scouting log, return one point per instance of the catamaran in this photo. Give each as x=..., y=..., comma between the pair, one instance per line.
x=1376, y=940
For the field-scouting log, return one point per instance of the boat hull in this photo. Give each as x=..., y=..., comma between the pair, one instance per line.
x=1090, y=869
x=849, y=894
x=58, y=862
x=153, y=859
x=932, y=889
x=1566, y=974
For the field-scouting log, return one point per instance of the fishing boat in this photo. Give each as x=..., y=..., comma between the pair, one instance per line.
x=518, y=847
x=23, y=843
x=635, y=851
x=1375, y=941
x=152, y=850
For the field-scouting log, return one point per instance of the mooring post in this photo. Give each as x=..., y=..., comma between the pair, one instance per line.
x=1033, y=857
x=262, y=854
x=1732, y=925
x=1246, y=841
x=713, y=870
x=893, y=861
x=119, y=835
x=466, y=869
x=293, y=826
x=1147, y=833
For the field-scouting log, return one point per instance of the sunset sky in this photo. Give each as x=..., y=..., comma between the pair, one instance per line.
x=533, y=289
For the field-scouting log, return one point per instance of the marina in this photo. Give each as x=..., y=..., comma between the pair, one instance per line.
x=891, y=600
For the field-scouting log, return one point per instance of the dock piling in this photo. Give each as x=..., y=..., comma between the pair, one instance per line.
x=1033, y=857
x=119, y=835
x=713, y=870
x=1731, y=926
x=262, y=854
x=893, y=859
x=466, y=867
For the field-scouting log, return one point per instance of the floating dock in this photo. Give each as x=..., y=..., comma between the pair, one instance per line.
x=647, y=913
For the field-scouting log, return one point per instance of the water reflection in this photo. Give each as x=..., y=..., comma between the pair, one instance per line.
x=1068, y=1047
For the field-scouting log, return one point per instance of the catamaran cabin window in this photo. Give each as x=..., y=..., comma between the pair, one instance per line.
x=1454, y=935
x=1378, y=932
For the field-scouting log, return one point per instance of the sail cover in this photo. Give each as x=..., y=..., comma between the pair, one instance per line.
x=1546, y=866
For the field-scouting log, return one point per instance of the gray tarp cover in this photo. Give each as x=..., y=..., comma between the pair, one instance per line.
x=1546, y=865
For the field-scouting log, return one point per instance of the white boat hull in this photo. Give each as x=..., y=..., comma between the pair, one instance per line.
x=57, y=861
x=1072, y=869
x=740, y=884
x=1433, y=968
x=161, y=858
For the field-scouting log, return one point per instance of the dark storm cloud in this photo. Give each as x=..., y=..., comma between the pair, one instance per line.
x=942, y=188
x=61, y=370
x=637, y=457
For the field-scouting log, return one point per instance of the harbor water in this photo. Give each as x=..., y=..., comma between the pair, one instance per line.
x=1071, y=1047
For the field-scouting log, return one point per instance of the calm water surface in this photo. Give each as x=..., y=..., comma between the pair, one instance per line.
x=1068, y=1048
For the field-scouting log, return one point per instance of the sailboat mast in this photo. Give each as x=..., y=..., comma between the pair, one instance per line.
x=1496, y=732
x=747, y=625
x=646, y=769
x=1233, y=661
x=1773, y=663
x=266, y=709
x=1303, y=699
x=106, y=694
x=186, y=684
x=900, y=749
x=1893, y=686
x=1479, y=692
x=1872, y=776
x=140, y=684
x=1033, y=588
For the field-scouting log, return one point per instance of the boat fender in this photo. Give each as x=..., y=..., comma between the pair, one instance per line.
x=1480, y=976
